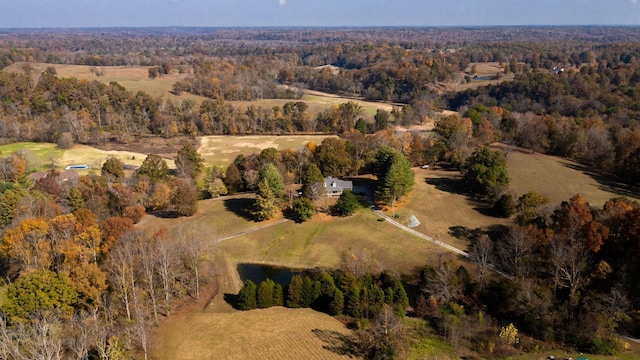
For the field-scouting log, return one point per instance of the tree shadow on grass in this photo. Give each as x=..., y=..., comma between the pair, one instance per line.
x=337, y=343
x=607, y=182
x=241, y=207
x=450, y=185
x=231, y=299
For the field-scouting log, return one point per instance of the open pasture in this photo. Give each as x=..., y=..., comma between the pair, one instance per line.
x=274, y=333
x=221, y=150
x=441, y=205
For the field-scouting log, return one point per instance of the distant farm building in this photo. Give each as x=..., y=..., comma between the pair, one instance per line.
x=335, y=187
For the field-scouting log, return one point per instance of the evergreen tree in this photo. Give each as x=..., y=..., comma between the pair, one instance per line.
x=265, y=205
x=347, y=204
x=189, y=162
x=396, y=182
x=113, y=168
x=303, y=209
x=265, y=294
x=352, y=300
x=272, y=176
x=312, y=182
x=278, y=295
x=337, y=303
x=247, y=296
x=233, y=179
x=310, y=291
x=294, y=292
x=361, y=125
x=75, y=199
x=154, y=167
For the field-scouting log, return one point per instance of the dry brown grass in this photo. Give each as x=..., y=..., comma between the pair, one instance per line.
x=560, y=179
x=221, y=150
x=274, y=333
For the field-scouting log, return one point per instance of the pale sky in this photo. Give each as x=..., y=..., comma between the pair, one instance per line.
x=231, y=13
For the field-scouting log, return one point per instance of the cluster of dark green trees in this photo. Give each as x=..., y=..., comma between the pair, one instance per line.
x=335, y=293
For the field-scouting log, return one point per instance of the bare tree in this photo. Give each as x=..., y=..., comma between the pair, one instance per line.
x=148, y=260
x=515, y=250
x=569, y=260
x=482, y=251
x=192, y=249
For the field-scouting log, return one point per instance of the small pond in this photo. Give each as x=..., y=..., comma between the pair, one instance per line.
x=260, y=272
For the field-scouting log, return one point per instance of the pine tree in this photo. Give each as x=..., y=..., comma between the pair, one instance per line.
x=247, y=296
x=75, y=199
x=337, y=303
x=189, y=162
x=278, y=295
x=294, y=292
x=271, y=175
x=265, y=205
x=265, y=294
x=347, y=204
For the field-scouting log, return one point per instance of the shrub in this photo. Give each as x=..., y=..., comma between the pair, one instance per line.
x=303, y=209
x=347, y=204
x=504, y=206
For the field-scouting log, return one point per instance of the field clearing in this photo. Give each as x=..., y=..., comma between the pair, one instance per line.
x=83, y=154
x=274, y=333
x=222, y=150
x=136, y=78
x=38, y=155
x=440, y=204
x=560, y=179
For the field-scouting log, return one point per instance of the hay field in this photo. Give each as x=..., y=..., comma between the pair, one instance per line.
x=274, y=333
x=221, y=150
x=38, y=155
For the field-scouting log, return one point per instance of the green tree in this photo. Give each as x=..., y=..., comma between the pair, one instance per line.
x=75, y=199
x=188, y=161
x=272, y=176
x=528, y=206
x=217, y=188
x=337, y=303
x=485, y=171
x=347, y=204
x=233, y=179
x=381, y=119
x=278, y=295
x=332, y=157
x=312, y=182
x=294, y=292
x=397, y=181
x=265, y=294
x=361, y=125
x=113, y=168
x=265, y=205
x=154, y=167
x=247, y=296
x=40, y=291
x=303, y=209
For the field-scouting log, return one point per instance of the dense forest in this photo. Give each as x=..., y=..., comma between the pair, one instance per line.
x=571, y=272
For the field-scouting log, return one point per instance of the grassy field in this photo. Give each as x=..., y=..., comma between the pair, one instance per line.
x=40, y=156
x=136, y=78
x=221, y=150
x=274, y=333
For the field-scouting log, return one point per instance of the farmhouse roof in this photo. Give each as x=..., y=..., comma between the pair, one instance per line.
x=333, y=185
